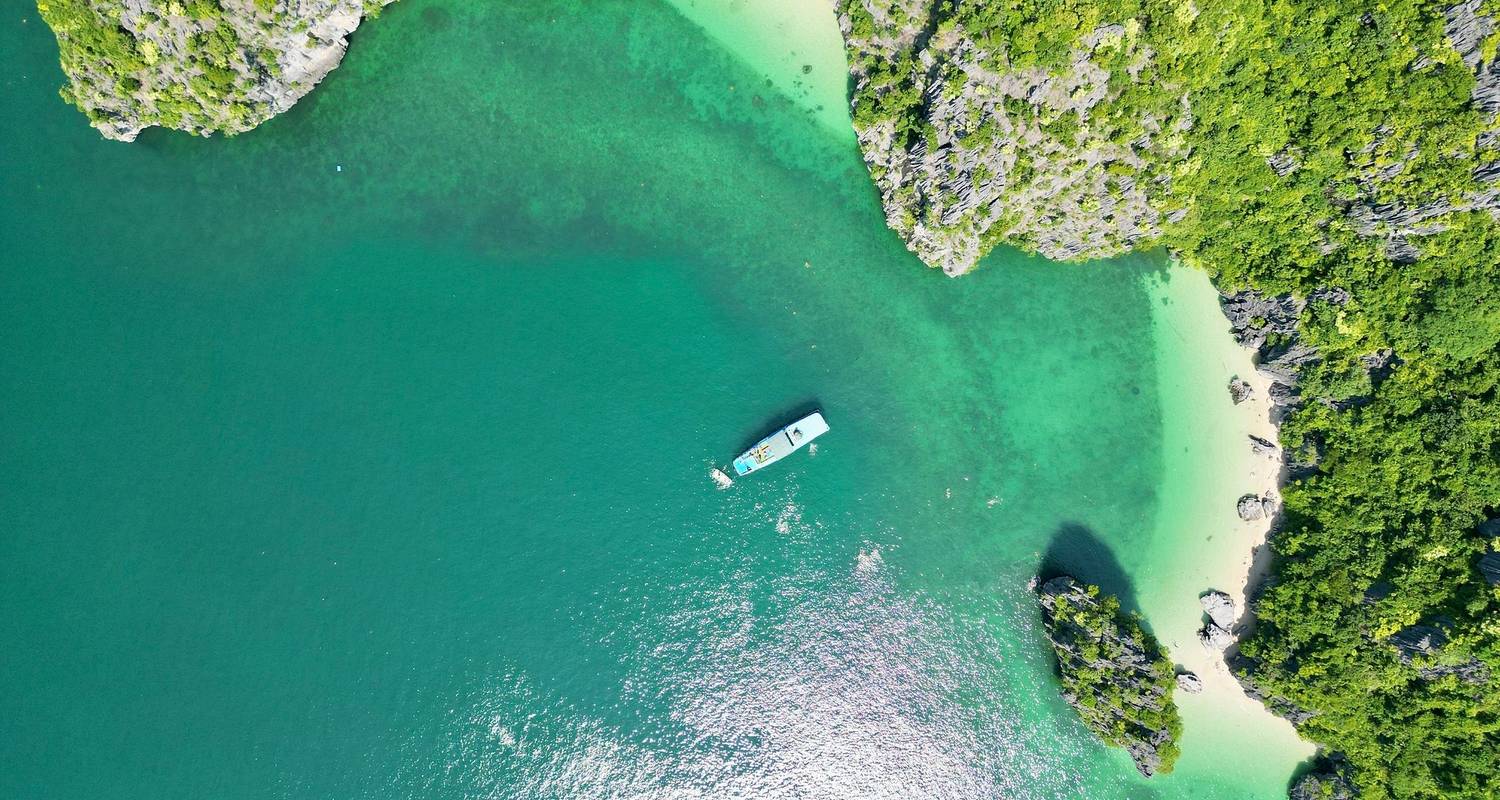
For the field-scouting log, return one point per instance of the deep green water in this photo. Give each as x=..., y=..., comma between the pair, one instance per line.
x=390, y=481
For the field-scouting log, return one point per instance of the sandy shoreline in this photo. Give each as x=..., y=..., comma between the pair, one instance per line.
x=1200, y=543
x=1243, y=564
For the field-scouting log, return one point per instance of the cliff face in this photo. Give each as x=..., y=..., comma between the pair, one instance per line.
x=1113, y=673
x=970, y=145
x=201, y=66
x=1069, y=131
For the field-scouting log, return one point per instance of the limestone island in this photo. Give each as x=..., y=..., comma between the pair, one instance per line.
x=1113, y=673
x=202, y=66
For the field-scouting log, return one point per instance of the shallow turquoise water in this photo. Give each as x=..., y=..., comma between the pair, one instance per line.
x=366, y=455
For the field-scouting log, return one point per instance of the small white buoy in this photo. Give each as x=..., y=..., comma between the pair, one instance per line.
x=338, y=167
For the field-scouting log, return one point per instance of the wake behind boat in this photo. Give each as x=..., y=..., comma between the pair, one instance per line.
x=781, y=444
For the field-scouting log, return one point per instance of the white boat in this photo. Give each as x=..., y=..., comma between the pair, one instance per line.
x=781, y=444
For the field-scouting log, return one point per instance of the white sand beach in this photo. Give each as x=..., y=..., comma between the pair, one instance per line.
x=1200, y=543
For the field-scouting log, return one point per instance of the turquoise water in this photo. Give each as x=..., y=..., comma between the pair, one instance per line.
x=366, y=455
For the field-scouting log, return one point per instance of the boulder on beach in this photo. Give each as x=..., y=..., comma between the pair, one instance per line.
x=1214, y=638
x=1239, y=390
x=1250, y=508
x=1261, y=446
x=1189, y=682
x=1219, y=607
x=1253, y=507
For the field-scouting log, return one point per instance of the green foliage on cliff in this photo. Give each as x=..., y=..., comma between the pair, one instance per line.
x=1113, y=673
x=203, y=66
x=1330, y=144
x=119, y=70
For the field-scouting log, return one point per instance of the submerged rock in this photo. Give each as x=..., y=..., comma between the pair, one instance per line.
x=1113, y=673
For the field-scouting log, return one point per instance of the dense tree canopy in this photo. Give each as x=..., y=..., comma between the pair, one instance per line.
x=1331, y=144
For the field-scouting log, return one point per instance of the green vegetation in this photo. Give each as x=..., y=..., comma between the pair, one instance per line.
x=203, y=66
x=1113, y=673
x=1366, y=109
x=116, y=64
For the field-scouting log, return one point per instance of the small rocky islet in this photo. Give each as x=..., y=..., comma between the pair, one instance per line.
x=1113, y=673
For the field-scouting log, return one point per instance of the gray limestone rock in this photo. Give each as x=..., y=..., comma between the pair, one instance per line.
x=275, y=56
x=1239, y=390
x=1088, y=639
x=1329, y=780
x=1251, y=508
x=1489, y=567
x=1219, y=607
x=1189, y=682
x=993, y=163
x=1214, y=638
x=1419, y=640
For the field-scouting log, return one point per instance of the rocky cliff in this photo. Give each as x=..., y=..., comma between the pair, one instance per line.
x=1068, y=133
x=970, y=145
x=1113, y=673
x=202, y=66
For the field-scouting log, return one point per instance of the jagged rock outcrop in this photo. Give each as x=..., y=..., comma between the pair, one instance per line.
x=1329, y=780
x=1008, y=149
x=1489, y=567
x=193, y=66
x=1267, y=325
x=1261, y=446
x=1113, y=673
x=1244, y=670
x=1189, y=682
x=1402, y=226
x=1254, y=507
x=971, y=143
x=1422, y=646
x=1239, y=390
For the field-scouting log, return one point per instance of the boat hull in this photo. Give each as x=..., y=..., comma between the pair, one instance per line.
x=781, y=444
